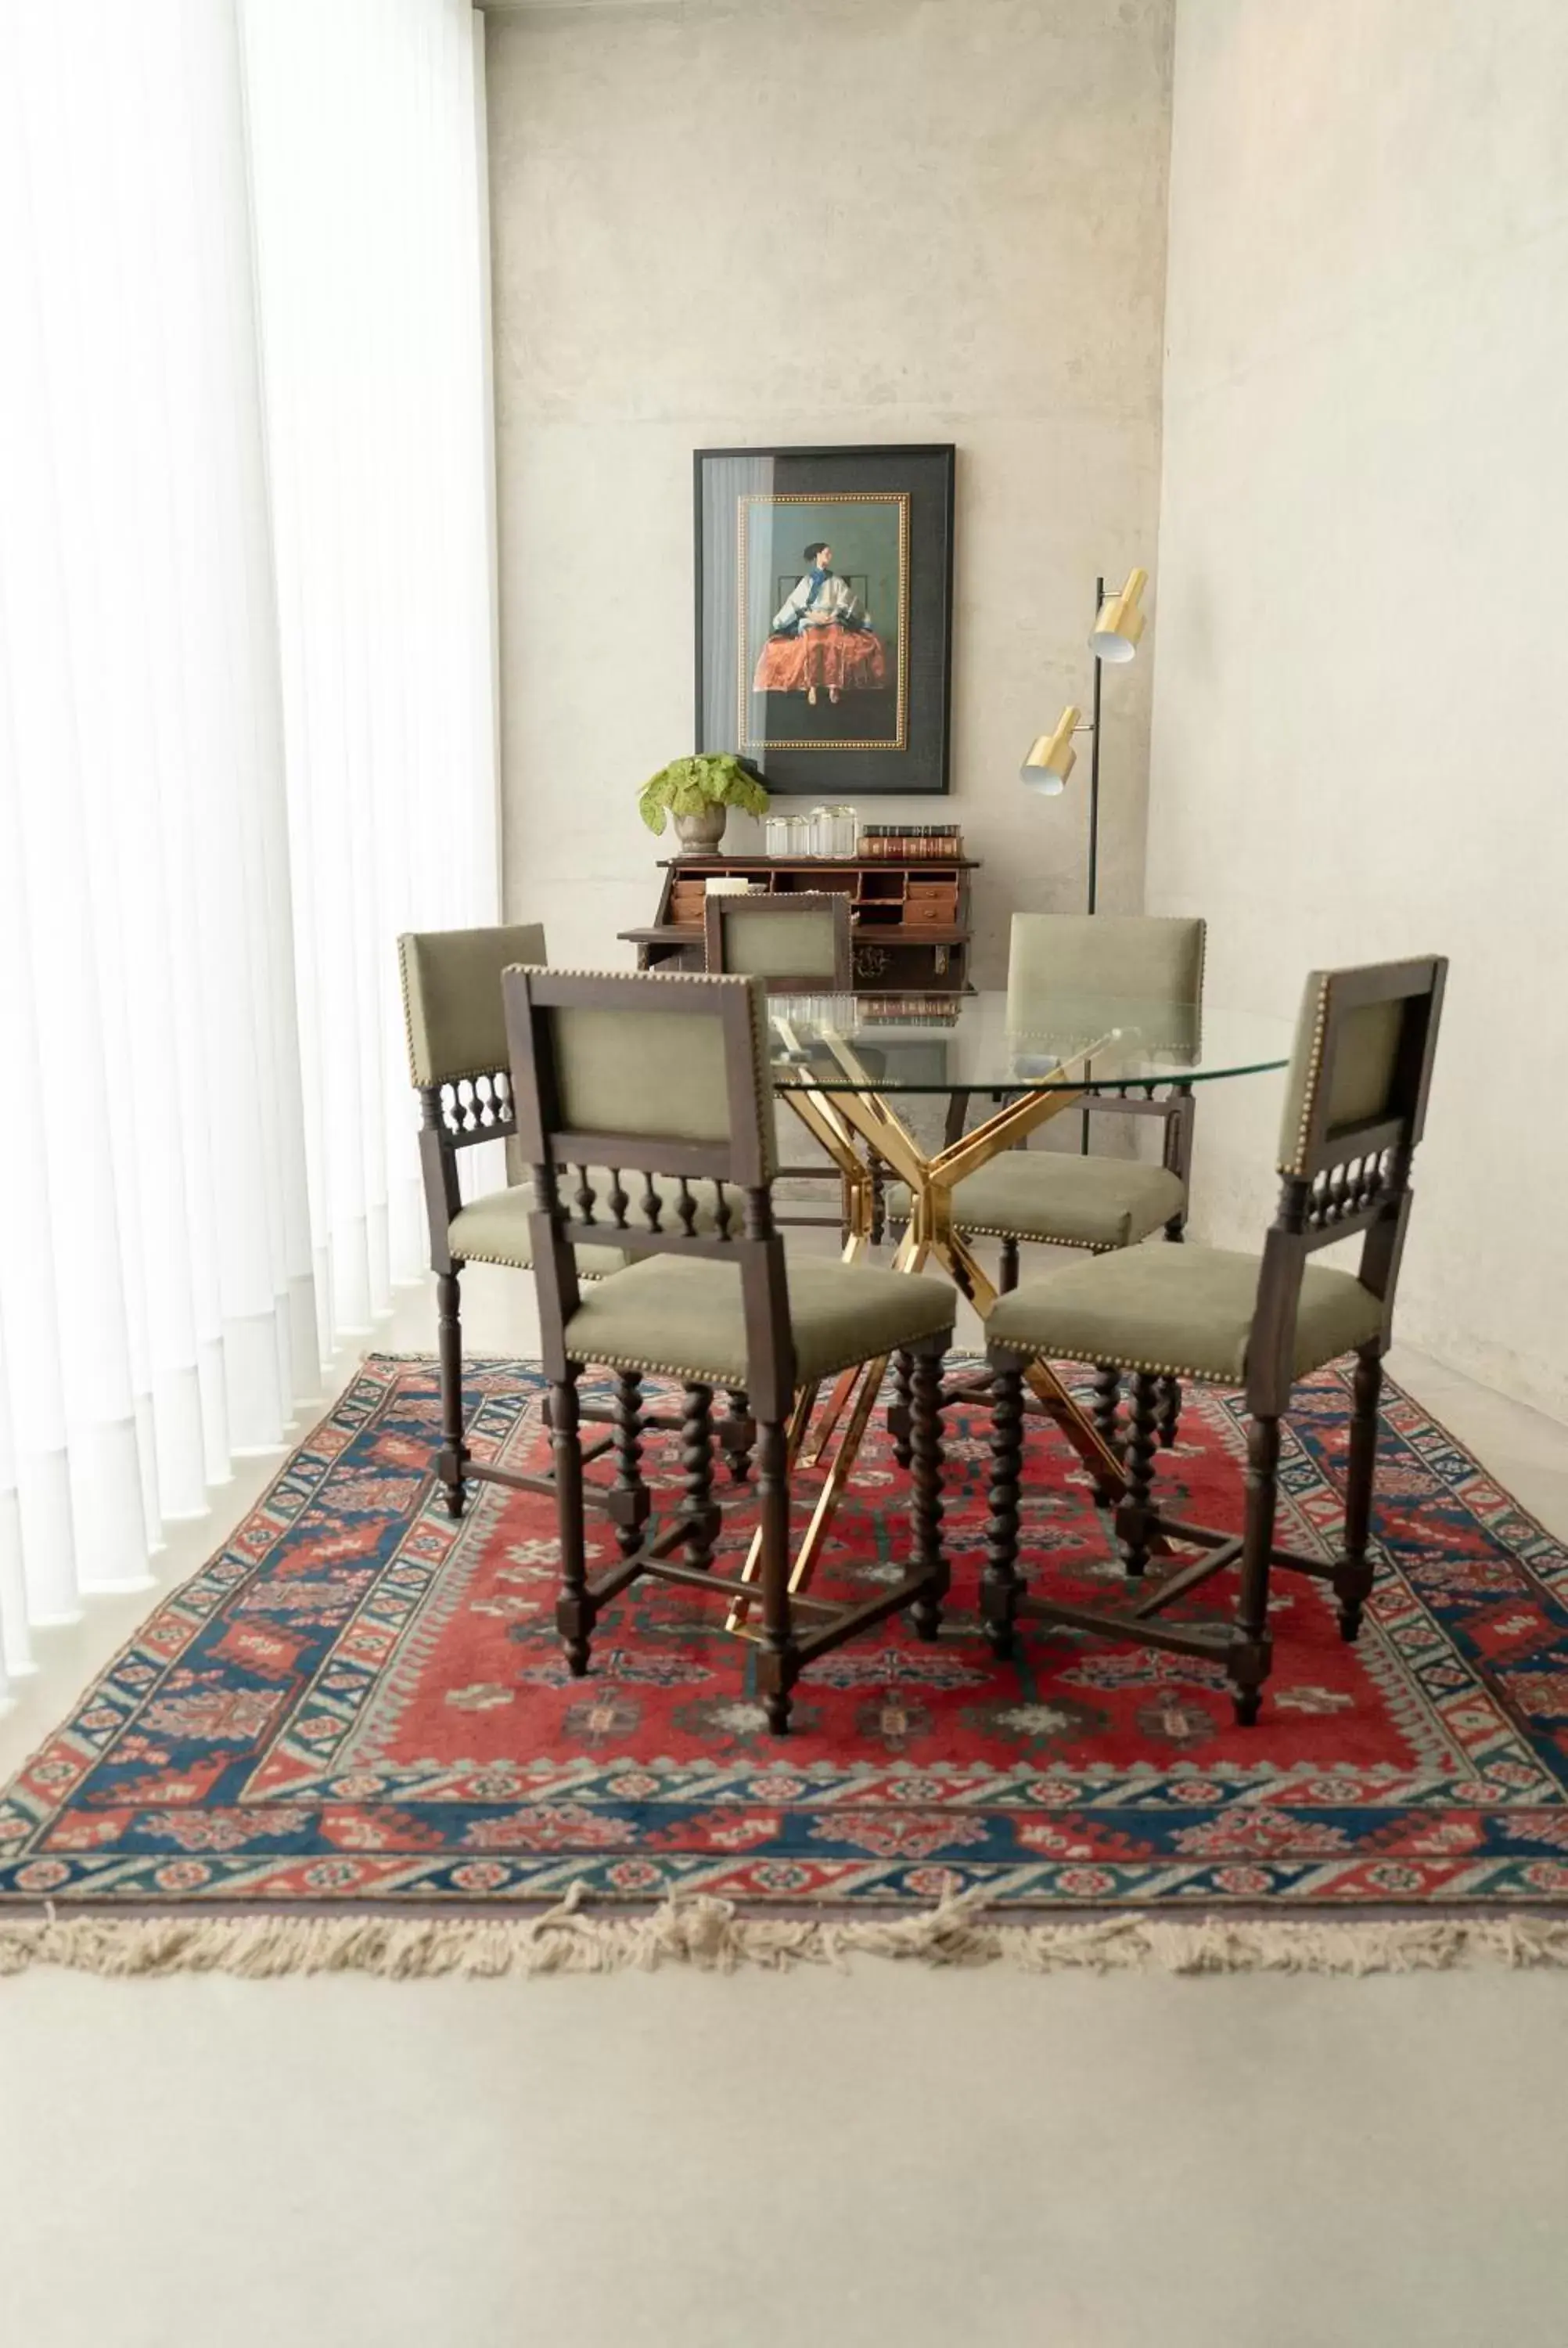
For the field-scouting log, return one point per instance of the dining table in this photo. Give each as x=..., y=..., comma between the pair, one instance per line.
x=850, y=1066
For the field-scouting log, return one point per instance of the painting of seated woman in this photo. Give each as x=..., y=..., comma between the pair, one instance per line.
x=822, y=618
x=823, y=580
x=821, y=640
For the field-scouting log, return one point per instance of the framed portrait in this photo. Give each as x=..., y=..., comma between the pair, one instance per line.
x=825, y=616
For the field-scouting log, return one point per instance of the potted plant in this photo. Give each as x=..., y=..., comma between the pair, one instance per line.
x=698, y=792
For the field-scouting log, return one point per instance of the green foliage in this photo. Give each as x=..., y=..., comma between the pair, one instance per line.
x=689, y=786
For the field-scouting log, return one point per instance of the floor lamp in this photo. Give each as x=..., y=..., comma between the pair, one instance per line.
x=1118, y=626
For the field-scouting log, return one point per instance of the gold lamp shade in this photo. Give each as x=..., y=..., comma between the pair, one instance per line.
x=1121, y=623
x=1052, y=758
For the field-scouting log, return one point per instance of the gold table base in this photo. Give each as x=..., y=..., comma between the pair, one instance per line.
x=837, y=1120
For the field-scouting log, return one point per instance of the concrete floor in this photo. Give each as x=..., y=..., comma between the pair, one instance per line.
x=885, y=2155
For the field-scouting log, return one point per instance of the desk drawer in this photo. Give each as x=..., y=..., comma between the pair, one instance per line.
x=930, y=913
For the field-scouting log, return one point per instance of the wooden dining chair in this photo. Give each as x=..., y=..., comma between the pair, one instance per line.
x=1053, y=1198
x=799, y=944
x=455, y=1027
x=1355, y=1111
x=667, y=1075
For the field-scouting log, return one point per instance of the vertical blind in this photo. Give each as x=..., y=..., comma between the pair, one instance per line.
x=246, y=721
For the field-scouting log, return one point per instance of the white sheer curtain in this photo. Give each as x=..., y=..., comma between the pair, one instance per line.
x=364, y=123
x=225, y=782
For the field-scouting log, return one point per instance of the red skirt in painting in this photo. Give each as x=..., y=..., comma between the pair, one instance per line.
x=846, y=660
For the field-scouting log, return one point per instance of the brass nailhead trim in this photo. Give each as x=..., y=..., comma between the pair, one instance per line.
x=1055, y=1352
x=1040, y=1239
x=1314, y=1069
x=414, y=1076
x=510, y=1263
x=666, y=977
x=727, y=1377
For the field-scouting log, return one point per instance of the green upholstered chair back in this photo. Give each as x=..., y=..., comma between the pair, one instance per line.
x=452, y=997
x=1361, y=1068
x=798, y=941
x=1147, y=957
x=666, y=1072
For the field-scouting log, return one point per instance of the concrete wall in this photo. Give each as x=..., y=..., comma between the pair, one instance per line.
x=819, y=220
x=1358, y=743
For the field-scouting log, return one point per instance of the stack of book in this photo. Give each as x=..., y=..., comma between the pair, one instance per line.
x=907, y=839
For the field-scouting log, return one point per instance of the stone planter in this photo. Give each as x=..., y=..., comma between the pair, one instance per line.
x=701, y=833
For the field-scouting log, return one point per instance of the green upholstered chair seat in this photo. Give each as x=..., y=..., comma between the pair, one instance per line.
x=685, y=1318
x=1041, y=1194
x=495, y=1229
x=1185, y=1311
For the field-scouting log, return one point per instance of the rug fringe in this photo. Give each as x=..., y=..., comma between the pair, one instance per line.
x=712, y=1936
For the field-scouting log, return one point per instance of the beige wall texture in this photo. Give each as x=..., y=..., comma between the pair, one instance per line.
x=794, y=220
x=1357, y=742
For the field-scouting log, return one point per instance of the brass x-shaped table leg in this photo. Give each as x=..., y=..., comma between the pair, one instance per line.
x=837, y=1118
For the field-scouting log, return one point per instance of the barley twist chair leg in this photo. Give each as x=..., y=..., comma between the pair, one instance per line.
x=574, y=1607
x=999, y=1582
x=737, y=1433
x=700, y=1517
x=630, y=1502
x=930, y=1556
x=452, y=1456
x=1251, y=1647
x=1107, y=1401
x=1132, y=1518
x=778, y=1659
x=1170, y=1411
x=1007, y=1273
x=1106, y=1411
x=1353, y=1570
x=898, y=1420
x=878, y=1203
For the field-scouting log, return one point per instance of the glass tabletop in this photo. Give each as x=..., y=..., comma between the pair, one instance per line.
x=989, y=1043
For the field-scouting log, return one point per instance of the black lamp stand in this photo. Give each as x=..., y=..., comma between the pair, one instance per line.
x=1094, y=762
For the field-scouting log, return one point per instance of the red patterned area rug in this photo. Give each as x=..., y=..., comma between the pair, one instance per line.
x=359, y=1709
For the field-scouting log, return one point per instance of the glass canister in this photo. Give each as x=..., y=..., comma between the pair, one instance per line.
x=776, y=834
x=845, y=825
x=834, y=831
